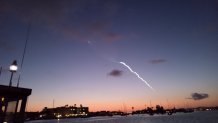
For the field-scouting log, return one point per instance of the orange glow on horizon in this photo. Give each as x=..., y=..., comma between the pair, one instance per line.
x=125, y=107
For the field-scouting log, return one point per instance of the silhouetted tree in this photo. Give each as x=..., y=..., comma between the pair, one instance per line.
x=160, y=109
x=150, y=110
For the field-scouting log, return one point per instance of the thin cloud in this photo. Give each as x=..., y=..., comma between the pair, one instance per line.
x=158, y=61
x=198, y=96
x=65, y=17
x=4, y=46
x=98, y=26
x=115, y=73
x=111, y=37
x=212, y=27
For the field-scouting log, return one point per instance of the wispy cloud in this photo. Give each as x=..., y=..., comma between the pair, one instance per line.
x=212, y=27
x=97, y=26
x=91, y=31
x=115, y=73
x=158, y=61
x=4, y=46
x=198, y=96
x=66, y=17
x=111, y=37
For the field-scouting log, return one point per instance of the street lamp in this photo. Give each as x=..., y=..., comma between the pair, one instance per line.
x=13, y=69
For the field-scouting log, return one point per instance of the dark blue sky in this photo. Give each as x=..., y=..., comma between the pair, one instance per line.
x=73, y=47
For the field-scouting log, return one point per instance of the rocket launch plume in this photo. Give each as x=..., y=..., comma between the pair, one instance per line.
x=136, y=75
x=113, y=60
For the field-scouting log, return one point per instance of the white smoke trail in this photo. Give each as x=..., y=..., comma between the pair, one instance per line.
x=136, y=75
x=113, y=60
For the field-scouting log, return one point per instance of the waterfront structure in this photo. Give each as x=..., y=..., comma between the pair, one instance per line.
x=64, y=111
x=13, y=103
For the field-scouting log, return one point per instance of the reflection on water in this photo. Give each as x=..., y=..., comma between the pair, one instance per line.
x=195, y=117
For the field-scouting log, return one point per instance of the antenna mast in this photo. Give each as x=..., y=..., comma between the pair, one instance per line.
x=24, y=51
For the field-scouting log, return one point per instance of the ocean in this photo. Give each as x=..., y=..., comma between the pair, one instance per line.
x=195, y=117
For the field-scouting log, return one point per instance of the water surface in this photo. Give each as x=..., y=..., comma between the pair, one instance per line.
x=195, y=117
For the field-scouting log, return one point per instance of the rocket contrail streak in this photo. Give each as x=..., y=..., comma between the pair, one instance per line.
x=136, y=75
x=113, y=60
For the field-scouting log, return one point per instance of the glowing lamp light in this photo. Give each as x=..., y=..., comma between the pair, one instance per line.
x=13, y=66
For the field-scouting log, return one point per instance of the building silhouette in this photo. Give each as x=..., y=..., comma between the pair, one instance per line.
x=64, y=112
x=13, y=103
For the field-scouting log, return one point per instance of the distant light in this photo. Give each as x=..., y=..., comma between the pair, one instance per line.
x=58, y=116
x=3, y=99
x=13, y=66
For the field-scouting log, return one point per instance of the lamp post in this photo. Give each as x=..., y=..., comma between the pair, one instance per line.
x=13, y=69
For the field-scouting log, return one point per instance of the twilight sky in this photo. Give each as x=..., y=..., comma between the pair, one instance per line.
x=75, y=47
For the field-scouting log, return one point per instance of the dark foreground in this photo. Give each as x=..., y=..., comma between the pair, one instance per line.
x=195, y=117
